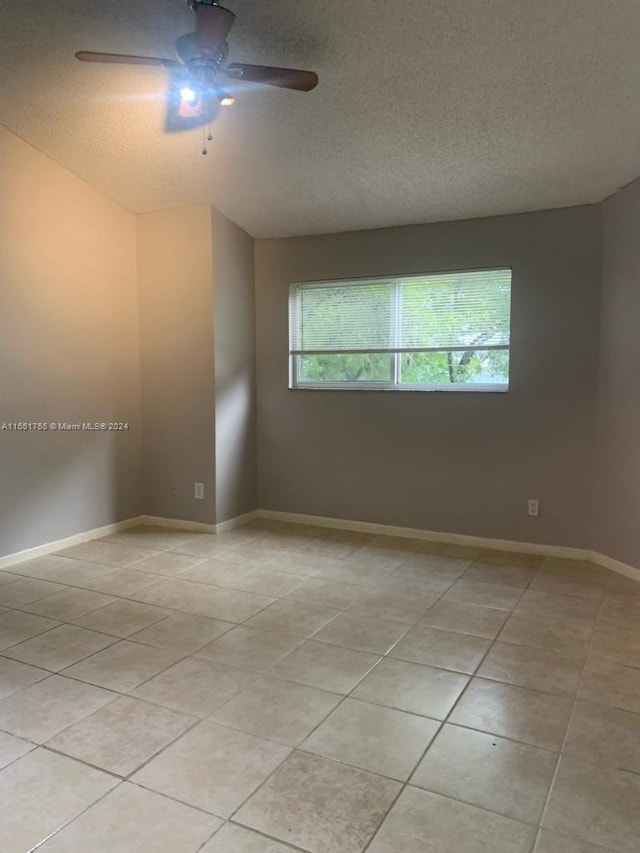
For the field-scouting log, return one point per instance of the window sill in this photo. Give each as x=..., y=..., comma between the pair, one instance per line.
x=443, y=389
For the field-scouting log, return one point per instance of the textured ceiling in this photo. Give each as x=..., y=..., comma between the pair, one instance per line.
x=426, y=110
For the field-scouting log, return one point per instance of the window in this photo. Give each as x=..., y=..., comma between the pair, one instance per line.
x=443, y=332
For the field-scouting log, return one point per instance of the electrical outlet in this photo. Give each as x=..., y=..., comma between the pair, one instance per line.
x=198, y=491
x=534, y=507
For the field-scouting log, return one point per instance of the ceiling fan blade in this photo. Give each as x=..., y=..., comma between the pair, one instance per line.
x=125, y=59
x=213, y=24
x=286, y=78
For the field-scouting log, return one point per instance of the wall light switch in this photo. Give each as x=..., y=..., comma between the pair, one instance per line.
x=534, y=507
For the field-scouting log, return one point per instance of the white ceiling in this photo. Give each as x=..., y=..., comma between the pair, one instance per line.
x=426, y=110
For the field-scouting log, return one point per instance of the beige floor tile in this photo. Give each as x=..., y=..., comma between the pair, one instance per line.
x=449, y=549
x=553, y=842
x=148, y=536
x=123, y=666
x=268, y=581
x=79, y=572
x=570, y=639
x=374, y=738
x=277, y=710
x=250, y=649
x=12, y=747
x=229, y=605
x=46, y=568
x=320, y=805
x=41, y=711
x=121, y=582
x=574, y=608
x=123, y=618
x=308, y=565
x=618, y=640
x=257, y=553
x=212, y=767
x=378, y=557
x=134, y=820
x=42, y=792
x=604, y=736
x=26, y=590
x=293, y=617
x=7, y=577
x=518, y=576
x=595, y=804
x=412, y=687
x=326, y=667
x=484, y=594
x=539, y=719
x=237, y=839
x=609, y=683
x=358, y=631
x=408, y=609
x=438, y=566
x=167, y=564
x=60, y=647
x=16, y=627
x=182, y=632
x=415, y=582
x=443, y=649
x=365, y=574
x=509, y=778
x=107, y=553
x=422, y=822
x=15, y=676
x=203, y=545
x=325, y=546
x=121, y=736
x=465, y=619
x=287, y=540
x=216, y=572
x=618, y=612
x=69, y=604
x=623, y=589
x=326, y=593
x=567, y=583
x=510, y=558
x=194, y=686
x=537, y=669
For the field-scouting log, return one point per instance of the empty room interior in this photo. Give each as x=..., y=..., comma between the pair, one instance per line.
x=320, y=426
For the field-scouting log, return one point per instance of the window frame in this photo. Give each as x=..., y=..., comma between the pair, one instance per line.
x=393, y=384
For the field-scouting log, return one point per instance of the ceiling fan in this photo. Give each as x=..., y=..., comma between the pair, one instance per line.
x=202, y=58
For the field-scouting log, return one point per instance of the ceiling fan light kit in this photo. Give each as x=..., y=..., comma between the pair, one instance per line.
x=201, y=57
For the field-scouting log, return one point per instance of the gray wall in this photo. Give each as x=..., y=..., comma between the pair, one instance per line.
x=617, y=481
x=462, y=463
x=235, y=369
x=177, y=362
x=68, y=351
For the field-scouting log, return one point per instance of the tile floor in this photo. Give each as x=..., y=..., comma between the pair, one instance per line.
x=281, y=687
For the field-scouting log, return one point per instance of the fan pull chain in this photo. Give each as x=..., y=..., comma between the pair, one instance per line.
x=206, y=137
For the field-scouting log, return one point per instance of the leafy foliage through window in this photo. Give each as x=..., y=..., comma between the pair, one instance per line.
x=449, y=331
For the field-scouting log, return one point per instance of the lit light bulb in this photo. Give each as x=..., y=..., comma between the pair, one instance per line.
x=225, y=99
x=189, y=95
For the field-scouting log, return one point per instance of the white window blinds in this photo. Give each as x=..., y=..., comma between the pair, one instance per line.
x=461, y=313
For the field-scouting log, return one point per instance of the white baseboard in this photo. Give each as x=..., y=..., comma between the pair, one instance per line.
x=199, y=526
x=238, y=521
x=429, y=535
x=67, y=542
x=615, y=566
x=177, y=524
x=319, y=521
